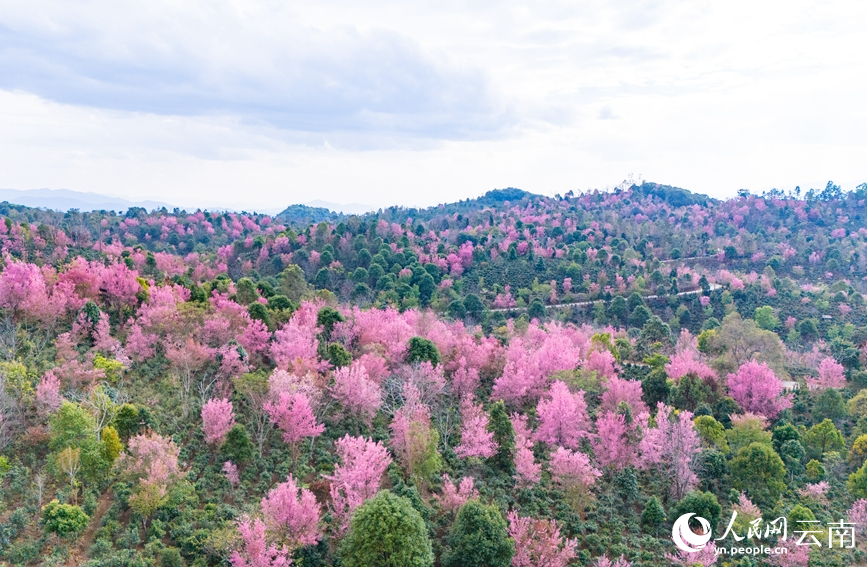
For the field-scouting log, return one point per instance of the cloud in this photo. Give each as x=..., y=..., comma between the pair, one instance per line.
x=606, y=113
x=293, y=76
x=269, y=102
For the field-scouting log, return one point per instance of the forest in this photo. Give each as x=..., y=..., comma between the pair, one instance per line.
x=514, y=380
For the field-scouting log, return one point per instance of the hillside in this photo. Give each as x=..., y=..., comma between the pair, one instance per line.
x=537, y=377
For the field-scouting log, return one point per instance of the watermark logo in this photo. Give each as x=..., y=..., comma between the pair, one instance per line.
x=695, y=539
x=687, y=540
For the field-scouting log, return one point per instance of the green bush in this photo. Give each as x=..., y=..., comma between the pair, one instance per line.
x=64, y=520
x=386, y=531
x=479, y=537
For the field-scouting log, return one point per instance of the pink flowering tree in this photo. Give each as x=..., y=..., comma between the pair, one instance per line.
x=255, y=551
x=455, y=495
x=538, y=542
x=758, y=390
x=230, y=470
x=294, y=416
x=562, y=417
x=831, y=375
x=857, y=515
x=356, y=392
x=673, y=445
x=527, y=470
x=218, y=417
x=151, y=462
x=704, y=558
x=292, y=515
x=615, y=443
x=623, y=391
x=356, y=477
x=575, y=475
x=48, y=391
x=476, y=440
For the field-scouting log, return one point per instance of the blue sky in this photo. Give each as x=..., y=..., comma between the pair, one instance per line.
x=259, y=104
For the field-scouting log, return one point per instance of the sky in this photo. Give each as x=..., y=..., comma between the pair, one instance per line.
x=262, y=104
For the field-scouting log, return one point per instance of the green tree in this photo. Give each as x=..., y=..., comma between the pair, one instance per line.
x=653, y=516
x=536, y=309
x=857, y=483
x=327, y=318
x=800, y=513
x=474, y=305
x=823, y=438
x=386, y=531
x=858, y=454
x=71, y=426
x=127, y=421
x=712, y=433
x=618, y=310
x=422, y=350
x=64, y=520
x=830, y=405
x=246, y=292
x=703, y=504
x=857, y=406
x=504, y=436
x=110, y=446
x=765, y=318
x=457, y=309
x=808, y=329
x=759, y=471
x=259, y=312
x=639, y=316
x=655, y=387
x=338, y=356
x=783, y=433
x=426, y=288
x=691, y=392
x=479, y=537
x=293, y=282
x=237, y=446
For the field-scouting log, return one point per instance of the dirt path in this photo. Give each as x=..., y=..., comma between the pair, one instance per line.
x=80, y=556
x=592, y=301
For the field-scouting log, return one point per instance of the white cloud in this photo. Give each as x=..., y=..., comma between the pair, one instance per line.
x=387, y=102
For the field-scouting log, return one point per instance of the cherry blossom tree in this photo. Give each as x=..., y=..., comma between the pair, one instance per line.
x=614, y=444
x=293, y=415
x=527, y=470
x=602, y=362
x=48, y=391
x=455, y=495
x=758, y=390
x=356, y=392
x=673, y=444
x=255, y=551
x=575, y=475
x=292, y=515
x=704, y=558
x=151, y=462
x=562, y=416
x=538, y=542
x=831, y=375
x=218, y=417
x=230, y=469
x=857, y=515
x=356, y=478
x=476, y=440
x=619, y=390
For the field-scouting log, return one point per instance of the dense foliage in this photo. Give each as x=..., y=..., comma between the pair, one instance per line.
x=524, y=380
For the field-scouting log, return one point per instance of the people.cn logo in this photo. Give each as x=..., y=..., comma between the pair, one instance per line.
x=687, y=540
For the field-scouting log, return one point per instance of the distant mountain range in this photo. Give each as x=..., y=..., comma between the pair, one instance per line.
x=65, y=199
